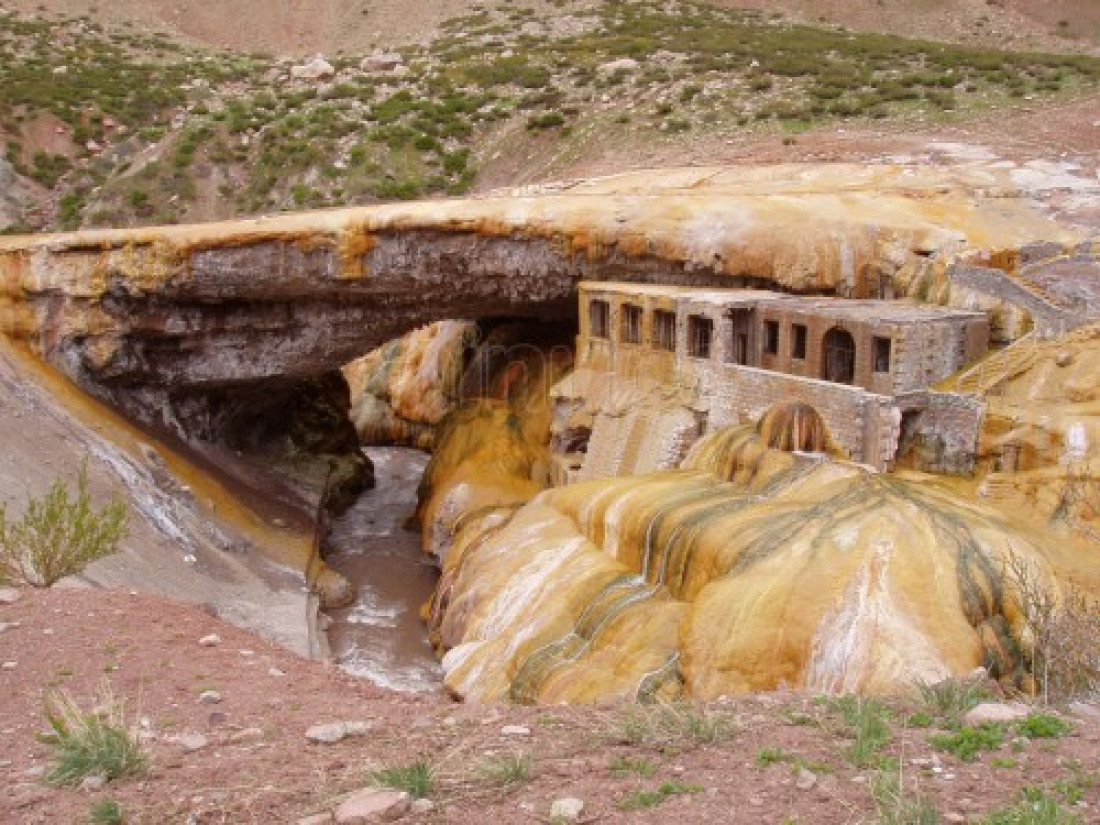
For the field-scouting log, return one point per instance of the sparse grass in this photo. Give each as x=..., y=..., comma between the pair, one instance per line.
x=642, y=800
x=90, y=743
x=416, y=778
x=1034, y=807
x=867, y=723
x=967, y=742
x=623, y=766
x=770, y=756
x=59, y=534
x=508, y=769
x=106, y=812
x=897, y=806
x=951, y=699
x=673, y=724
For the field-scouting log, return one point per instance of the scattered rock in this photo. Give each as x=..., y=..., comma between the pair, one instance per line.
x=210, y=697
x=422, y=806
x=8, y=595
x=515, y=730
x=372, y=806
x=331, y=732
x=6, y=626
x=93, y=783
x=627, y=64
x=316, y=69
x=995, y=712
x=9, y=666
x=317, y=819
x=275, y=672
x=191, y=742
x=380, y=62
x=1064, y=358
x=805, y=780
x=213, y=640
x=568, y=809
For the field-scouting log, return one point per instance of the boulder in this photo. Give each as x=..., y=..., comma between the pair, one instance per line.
x=381, y=62
x=316, y=69
x=995, y=712
x=372, y=805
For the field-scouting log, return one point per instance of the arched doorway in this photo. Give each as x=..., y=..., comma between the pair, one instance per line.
x=838, y=356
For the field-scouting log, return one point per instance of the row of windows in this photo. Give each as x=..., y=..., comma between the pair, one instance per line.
x=882, y=346
x=664, y=327
x=701, y=333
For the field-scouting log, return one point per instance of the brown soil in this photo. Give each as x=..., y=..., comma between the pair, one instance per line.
x=258, y=767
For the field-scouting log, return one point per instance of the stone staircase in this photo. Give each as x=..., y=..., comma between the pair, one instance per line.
x=1000, y=367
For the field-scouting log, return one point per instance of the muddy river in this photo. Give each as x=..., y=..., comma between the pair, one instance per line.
x=381, y=637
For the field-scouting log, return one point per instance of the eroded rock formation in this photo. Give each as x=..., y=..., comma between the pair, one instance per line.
x=800, y=572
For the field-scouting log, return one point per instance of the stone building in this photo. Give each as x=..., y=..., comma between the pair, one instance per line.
x=658, y=366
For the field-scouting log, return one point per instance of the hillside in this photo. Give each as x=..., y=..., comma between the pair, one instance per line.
x=330, y=26
x=112, y=124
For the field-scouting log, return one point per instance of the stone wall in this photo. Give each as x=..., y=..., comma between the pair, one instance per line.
x=940, y=431
x=862, y=423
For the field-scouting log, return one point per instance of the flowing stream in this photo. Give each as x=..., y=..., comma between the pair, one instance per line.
x=381, y=637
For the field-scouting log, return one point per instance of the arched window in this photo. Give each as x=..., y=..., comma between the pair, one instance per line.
x=838, y=356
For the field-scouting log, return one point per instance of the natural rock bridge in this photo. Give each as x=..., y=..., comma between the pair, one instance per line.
x=187, y=326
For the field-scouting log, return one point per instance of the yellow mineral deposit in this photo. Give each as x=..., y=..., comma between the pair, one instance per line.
x=403, y=390
x=800, y=571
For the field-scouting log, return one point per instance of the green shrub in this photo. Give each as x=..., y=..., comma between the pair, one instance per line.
x=967, y=742
x=547, y=120
x=96, y=743
x=950, y=699
x=1043, y=726
x=106, y=812
x=59, y=534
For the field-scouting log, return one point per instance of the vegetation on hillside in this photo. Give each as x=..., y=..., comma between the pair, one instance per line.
x=127, y=128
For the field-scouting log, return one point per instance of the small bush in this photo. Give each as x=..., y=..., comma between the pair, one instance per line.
x=59, y=535
x=966, y=743
x=1043, y=726
x=415, y=778
x=106, y=812
x=950, y=699
x=96, y=743
x=547, y=120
